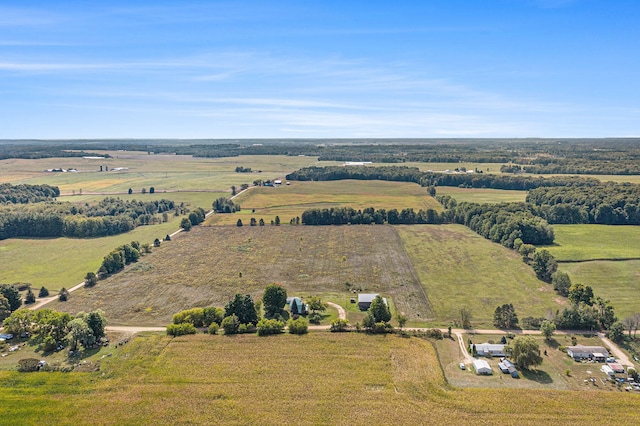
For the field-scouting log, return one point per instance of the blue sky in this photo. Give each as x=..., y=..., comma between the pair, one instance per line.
x=315, y=69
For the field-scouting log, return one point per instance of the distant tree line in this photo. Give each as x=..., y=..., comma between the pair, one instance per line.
x=576, y=166
x=430, y=179
x=43, y=150
x=24, y=194
x=110, y=216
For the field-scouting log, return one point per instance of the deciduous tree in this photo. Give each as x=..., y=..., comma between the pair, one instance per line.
x=525, y=352
x=274, y=299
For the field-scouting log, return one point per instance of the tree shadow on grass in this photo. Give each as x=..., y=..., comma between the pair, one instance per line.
x=538, y=376
x=552, y=343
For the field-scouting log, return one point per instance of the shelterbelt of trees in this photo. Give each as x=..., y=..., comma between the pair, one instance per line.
x=502, y=223
x=41, y=149
x=25, y=194
x=413, y=174
x=108, y=217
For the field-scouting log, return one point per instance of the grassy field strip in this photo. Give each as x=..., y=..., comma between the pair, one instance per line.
x=483, y=195
x=290, y=201
x=458, y=268
x=589, y=242
x=391, y=380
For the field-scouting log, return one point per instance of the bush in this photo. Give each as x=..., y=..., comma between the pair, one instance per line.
x=434, y=333
x=28, y=364
x=194, y=316
x=212, y=315
x=298, y=326
x=270, y=326
x=180, y=329
x=213, y=328
x=63, y=295
x=43, y=292
x=30, y=298
x=315, y=317
x=339, y=325
x=381, y=327
x=230, y=324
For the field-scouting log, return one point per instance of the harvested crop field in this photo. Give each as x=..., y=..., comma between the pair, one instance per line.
x=208, y=265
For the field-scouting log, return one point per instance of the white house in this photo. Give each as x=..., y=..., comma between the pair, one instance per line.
x=489, y=349
x=596, y=353
x=482, y=367
x=607, y=370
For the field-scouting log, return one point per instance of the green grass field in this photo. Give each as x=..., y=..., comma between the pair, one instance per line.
x=618, y=281
x=289, y=201
x=63, y=262
x=203, y=267
x=459, y=268
x=320, y=378
x=586, y=242
x=482, y=195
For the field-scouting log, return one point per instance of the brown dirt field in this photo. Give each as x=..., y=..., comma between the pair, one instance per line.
x=203, y=267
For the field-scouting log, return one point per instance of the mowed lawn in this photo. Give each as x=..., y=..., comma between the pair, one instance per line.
x=320, y=378
x=290, y=201
x=458, y=268
x=208, y=265
x=618, y=281
x=482, y=195
x=586, y=242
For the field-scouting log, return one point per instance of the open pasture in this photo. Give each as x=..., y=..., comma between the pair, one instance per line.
x=587, y=242
x=320, y=378
x=63, y=262
x=208, y=265
x=458, y=268
x=618, y=281
x=289, y=201
x=492, y=168
x=482, y=195
x=141, y=170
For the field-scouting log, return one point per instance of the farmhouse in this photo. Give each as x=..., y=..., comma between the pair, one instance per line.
x=482, y=367
x=365, y=299
x=297, y=306
x=595, y=353
x=489, y=349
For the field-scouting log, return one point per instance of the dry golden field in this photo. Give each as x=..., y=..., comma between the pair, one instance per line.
x=320, y=378
x=209, y=265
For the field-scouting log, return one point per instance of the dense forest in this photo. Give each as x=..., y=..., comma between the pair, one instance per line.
x=24, y=194
x=108, y=217
x=608, y=203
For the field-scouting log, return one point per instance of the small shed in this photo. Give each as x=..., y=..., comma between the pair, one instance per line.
x=365, y=299
x=482, y=367
x=607, y=370
x=617, y=368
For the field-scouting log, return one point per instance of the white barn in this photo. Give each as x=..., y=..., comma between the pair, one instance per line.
x=482, y=367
